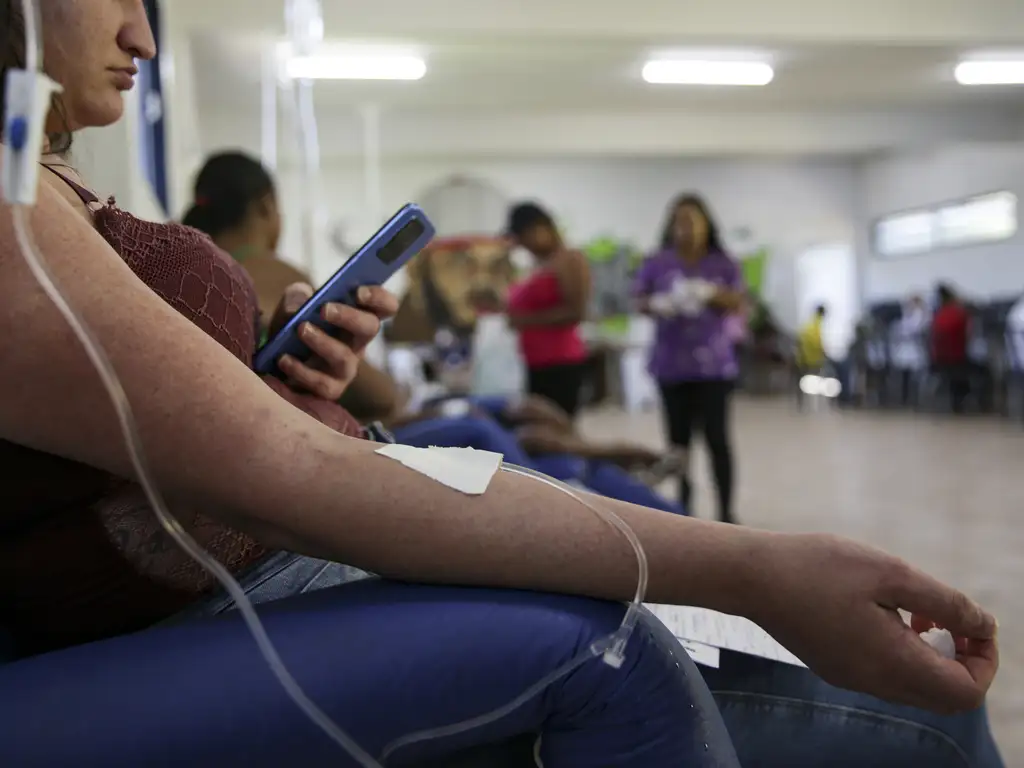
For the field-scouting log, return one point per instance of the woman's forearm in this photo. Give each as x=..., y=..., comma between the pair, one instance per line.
x=370, y=511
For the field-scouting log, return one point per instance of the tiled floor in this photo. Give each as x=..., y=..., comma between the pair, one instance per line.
x=946, y=494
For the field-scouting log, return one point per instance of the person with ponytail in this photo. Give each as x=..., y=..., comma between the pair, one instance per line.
x=235, y=203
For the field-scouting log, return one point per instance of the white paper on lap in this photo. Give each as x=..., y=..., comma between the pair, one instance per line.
x=722, y=631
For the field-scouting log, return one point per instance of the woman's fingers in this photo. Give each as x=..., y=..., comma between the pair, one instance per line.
x=378, y=300
x=326, y=386
x=295, y=295
x=920, y=623
x=946, y=684
x=360, y=326
x=337, y=364
x=942, y=605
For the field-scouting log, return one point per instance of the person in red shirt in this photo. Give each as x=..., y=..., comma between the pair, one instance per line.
x=950, y=328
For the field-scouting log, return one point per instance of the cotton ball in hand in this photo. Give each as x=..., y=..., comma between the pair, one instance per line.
x=663, y=305
x=704, y=290
x=942, y=641
x=685, y=297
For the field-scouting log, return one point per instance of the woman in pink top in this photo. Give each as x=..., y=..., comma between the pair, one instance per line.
x=547, y=308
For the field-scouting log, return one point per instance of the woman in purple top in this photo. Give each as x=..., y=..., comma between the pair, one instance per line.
x=691, y=287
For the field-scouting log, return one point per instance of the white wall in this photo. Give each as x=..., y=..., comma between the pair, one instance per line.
x=788, y=204
x=110, y=160
x=184, y=145
x=924, y=178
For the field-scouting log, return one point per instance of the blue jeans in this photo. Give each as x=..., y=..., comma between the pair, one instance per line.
x=487, y=434
x=777, y=716
x=387, y=659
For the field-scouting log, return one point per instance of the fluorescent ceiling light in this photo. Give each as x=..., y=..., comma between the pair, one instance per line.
x=707, y=72
x=355, y=67
x=994, y=72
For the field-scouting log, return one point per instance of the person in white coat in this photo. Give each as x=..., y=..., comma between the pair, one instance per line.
x=1015, y=334
x=909, y=345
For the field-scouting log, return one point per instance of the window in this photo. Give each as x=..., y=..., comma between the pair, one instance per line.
x=983, y=219
x=905, y=234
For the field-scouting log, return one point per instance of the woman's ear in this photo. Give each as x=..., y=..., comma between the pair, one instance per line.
x=266, y=208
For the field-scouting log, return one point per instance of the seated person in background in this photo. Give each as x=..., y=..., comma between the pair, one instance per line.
x=950, y=334
x=81, y=557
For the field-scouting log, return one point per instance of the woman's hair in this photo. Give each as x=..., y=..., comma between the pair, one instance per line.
x=693, y=201
x=945, y=292
x=12, y=24
x=225, y=190
x=523, y=217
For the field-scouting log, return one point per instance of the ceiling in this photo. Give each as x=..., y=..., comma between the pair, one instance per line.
x=541, y=74
x=537, y=59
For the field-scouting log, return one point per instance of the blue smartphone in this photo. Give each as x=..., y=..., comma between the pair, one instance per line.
x=405, y=235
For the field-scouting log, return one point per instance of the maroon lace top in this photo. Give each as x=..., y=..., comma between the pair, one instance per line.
x=82, y=555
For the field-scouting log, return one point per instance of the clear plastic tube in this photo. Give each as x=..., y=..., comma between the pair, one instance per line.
x=610, y=648
x=33, y=36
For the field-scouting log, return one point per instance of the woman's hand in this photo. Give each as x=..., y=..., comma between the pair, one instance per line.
x=834, y=604
x=336, y=360
x=725, y=299
x=534, y=409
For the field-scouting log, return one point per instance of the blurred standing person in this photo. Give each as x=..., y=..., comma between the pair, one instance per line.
x=909, y=347
x=546, y=309
x=810, y=350
x=1015, y=331
x=691, y=287
x=950, y=332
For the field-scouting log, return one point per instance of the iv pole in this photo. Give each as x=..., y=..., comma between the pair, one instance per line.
x=305, y=25
x=372, y=188
x=268, y=110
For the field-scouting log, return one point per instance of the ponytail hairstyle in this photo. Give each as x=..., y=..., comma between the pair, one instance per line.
x=12, y=56
x=227, y=187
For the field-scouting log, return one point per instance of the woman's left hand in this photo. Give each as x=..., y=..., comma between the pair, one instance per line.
x=726, y=299
x=336, y=360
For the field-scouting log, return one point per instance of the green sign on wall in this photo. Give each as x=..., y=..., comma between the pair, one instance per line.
x=754, y=266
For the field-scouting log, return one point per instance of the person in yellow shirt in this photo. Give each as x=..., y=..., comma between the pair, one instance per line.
x=810, y=352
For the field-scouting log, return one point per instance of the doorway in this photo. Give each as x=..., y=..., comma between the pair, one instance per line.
x=827, y=274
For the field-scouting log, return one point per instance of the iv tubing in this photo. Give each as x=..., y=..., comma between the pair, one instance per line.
x=611, y=647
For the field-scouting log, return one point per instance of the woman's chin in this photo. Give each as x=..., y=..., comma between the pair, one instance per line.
x=102, y=112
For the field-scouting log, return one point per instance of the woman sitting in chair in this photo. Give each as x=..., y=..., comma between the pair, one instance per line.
x=264, y=476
